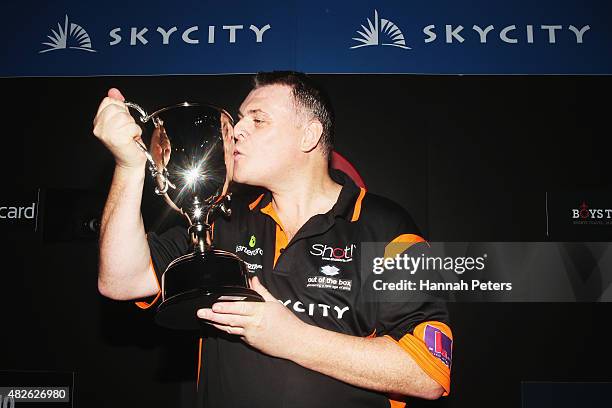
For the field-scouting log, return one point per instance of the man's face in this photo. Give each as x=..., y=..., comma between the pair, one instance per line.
x=267, y=137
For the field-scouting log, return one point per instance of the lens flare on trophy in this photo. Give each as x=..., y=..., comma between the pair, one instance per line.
x=191, y=176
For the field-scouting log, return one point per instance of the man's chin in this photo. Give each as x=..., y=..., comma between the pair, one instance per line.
x=242, y=178
x=251, y=180
x=238, y=178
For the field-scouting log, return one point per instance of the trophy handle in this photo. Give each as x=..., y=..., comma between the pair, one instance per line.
x=163, y=175
x=144, y=117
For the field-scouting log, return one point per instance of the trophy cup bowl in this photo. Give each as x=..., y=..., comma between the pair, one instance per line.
x=190, y=159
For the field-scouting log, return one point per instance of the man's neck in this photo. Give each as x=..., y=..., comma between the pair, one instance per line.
x=300, y=199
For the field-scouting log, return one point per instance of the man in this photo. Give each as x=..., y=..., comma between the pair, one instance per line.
x=306, y=345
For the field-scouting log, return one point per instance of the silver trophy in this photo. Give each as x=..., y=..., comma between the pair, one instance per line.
x=190, y=157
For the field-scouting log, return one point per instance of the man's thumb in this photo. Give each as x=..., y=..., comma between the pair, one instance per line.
x=261, y=289
x=115, y=94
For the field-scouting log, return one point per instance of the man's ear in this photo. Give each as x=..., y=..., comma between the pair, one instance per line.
x=311, y=136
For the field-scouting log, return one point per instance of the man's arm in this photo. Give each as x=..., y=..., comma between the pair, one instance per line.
x=125, y=271
x=374, y=363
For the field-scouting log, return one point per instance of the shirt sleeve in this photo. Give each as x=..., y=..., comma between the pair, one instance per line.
x=164, y=248
x=419, y=326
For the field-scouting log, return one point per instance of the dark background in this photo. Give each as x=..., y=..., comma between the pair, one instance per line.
x=471, y=157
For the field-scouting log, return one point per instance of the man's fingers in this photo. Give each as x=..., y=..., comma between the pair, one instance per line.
x=110, y=101
x=127, y=124
x=235, y=308
x=119, y=119
x=116, y=94
x=232, y=320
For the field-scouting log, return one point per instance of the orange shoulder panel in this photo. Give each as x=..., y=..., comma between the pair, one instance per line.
x=401, y=243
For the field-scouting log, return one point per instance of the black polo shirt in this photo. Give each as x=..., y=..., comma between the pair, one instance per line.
x=233, y=374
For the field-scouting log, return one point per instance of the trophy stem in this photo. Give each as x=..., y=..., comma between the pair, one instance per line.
x=200, y=229
x=201, y=245
x=201, y=237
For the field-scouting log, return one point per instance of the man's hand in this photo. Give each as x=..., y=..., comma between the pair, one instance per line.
x=117, y=129
x=268, y=326
x=378, y=363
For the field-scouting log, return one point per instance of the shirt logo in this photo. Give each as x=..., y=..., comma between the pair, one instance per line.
x=330, y=270
x=319, y=309
x=329, y=253
x=330, y=281
x=253, y=267
x=439, y=344
x=250, y=252
x=252, y=241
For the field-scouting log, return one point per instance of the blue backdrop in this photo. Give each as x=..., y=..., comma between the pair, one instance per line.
x=205, y=37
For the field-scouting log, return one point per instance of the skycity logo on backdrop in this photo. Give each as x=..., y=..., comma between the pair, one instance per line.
x=75, y=39
x=190, y=35
x=381, y=28
x=73, y=36
x=586, y=215
x=458, y=34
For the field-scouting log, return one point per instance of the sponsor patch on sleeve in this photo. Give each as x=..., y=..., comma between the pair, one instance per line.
x=438, y=344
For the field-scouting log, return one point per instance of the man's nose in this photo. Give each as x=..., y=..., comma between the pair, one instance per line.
x=238, y=136
x=239, y=133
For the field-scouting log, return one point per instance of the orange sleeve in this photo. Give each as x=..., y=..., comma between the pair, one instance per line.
x=430, y=345
x=146, y=305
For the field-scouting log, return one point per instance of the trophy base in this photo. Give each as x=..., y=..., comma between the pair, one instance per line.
x=179, y=312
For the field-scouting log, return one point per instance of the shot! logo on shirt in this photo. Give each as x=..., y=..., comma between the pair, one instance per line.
x=439, y=344
x=333, y=254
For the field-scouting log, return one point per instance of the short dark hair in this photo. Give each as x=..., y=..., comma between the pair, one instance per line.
x=308, y=96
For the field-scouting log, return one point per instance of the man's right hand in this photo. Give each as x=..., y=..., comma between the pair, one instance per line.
x=117, y=129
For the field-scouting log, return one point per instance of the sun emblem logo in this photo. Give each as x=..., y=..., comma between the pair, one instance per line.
x=74, y=37
x=381, y=32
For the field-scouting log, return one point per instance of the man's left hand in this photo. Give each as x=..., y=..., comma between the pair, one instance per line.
x=268, y=326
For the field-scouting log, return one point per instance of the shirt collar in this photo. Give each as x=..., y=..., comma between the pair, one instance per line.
x=347, y=206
